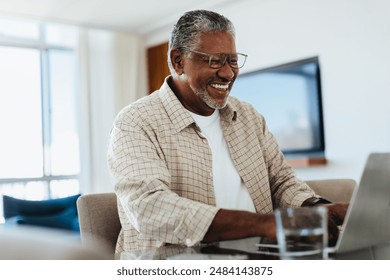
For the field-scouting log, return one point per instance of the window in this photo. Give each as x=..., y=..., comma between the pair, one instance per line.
x=39, y=144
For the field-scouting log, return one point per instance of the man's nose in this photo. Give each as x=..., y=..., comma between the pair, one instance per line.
x=227, y=72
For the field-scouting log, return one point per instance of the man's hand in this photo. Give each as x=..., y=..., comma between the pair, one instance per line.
x=336, y=215
x=236, y=224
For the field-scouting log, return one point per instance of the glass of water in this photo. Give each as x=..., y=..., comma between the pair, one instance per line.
x=302, y=233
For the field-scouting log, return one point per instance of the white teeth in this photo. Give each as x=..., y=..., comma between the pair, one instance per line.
x=218, y=86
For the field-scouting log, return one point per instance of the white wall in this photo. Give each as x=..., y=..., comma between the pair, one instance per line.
x=352, y=40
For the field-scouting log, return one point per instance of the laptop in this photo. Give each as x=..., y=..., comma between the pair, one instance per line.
x=367, y=221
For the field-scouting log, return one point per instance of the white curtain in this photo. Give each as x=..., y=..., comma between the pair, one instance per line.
x=112, y=74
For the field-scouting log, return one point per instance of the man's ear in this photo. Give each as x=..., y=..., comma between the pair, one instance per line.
x=177, y=61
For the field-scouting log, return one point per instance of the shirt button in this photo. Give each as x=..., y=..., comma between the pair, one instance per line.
x=188, y=242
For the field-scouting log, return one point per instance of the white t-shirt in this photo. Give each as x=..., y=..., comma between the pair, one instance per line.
x=230, y=191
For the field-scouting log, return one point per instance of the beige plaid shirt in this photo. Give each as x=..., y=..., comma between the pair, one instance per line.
x=163, y=176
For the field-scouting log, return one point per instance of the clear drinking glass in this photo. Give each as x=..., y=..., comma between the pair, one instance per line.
x=302, y=233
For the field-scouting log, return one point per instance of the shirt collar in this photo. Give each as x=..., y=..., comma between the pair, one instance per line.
x=180, y=117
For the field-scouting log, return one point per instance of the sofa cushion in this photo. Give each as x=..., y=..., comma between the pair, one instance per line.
x=67, y=219
x=57, y=213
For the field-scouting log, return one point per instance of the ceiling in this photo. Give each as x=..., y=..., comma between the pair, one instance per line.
x=133, y=16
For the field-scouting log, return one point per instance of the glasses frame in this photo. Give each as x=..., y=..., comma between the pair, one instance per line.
x=226, y=57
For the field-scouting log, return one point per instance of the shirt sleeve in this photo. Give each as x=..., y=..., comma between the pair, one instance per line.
x=142, y=184
x=286, y=188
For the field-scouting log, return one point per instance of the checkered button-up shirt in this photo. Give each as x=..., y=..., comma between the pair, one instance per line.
x=162, y=167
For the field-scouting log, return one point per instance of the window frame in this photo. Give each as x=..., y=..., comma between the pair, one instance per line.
x=43, y=48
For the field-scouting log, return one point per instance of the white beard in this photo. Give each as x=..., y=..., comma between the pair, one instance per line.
x=203, y=94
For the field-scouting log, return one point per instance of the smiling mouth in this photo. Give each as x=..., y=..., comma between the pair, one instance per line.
x=220, y=87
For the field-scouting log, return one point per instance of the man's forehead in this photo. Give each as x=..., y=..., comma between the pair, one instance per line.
x=220, y=42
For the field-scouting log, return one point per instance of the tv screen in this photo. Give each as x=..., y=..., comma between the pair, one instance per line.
x=289, y=97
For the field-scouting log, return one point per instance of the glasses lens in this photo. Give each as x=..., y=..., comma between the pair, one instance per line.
x=237, y=60
x=217, y=61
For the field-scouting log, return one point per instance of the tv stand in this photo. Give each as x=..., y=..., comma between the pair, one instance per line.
x=306, y=161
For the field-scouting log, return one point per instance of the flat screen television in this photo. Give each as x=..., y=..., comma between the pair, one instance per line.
x=289, y=97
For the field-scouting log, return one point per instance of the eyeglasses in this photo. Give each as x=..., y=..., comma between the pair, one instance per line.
x=218, y=60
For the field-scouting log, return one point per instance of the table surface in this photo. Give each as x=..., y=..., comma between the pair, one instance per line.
x=241, y=249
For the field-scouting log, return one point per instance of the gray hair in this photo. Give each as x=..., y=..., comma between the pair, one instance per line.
x=186, y=32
